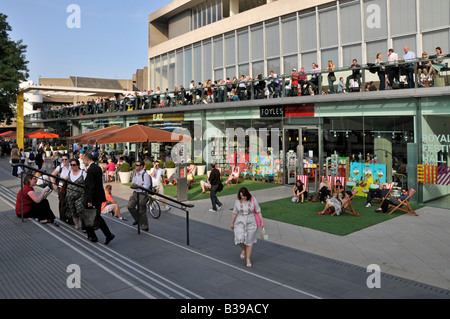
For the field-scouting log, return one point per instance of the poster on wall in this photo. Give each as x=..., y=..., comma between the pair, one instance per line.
x=368, y=172
x=261, y=165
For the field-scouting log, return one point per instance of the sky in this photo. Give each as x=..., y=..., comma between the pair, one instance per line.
x=88, y=38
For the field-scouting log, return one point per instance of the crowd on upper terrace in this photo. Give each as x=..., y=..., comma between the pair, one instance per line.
x=396, y=72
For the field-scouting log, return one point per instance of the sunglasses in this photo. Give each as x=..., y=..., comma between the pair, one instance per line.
x=73, y=165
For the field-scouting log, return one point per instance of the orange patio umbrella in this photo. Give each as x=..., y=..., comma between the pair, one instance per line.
x=140, y=133
x=42, y=134
x=8, y=134
x=87, y=137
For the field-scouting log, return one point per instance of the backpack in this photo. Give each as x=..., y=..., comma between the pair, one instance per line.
x=31, y=156
x=151, y=181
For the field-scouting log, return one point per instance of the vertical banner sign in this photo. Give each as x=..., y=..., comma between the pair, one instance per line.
x=20, y=121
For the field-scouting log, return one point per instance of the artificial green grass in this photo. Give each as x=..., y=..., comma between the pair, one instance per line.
x=195, y=191
x=305, y=215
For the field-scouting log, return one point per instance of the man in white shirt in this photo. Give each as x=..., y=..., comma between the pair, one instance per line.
x=140, y=178
x=393, y=71
x=409, y=68
x=156, y=174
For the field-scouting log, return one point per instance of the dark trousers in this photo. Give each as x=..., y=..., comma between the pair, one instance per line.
x=214, y=200
x=62, y=206
x=323, y=193
x=41, y=211
x=409, y=70
x=382, y=77
x=14, y=169
x=101, y=224
x=373, y=193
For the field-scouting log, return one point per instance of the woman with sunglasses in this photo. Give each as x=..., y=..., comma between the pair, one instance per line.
x=75, y=194
x=243, y=222
x=34, y=205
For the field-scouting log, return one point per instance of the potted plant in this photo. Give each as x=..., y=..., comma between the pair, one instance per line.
x=124, y=173
x=201, y=167
x=48, y=151
x=170, y=168
x=148, y=167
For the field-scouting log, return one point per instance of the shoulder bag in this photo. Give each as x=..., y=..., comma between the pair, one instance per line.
x=258, y=220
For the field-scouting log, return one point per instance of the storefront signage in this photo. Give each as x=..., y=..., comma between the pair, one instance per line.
x=160, y=117
x=302, y=110
x=271, y=111
x=299, y=110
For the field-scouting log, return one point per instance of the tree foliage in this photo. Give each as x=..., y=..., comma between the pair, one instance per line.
x=13, y=69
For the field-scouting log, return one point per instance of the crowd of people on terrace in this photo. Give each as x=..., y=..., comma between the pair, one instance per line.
x=394, y=73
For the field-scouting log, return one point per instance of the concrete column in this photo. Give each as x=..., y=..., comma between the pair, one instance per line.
x=234, y=7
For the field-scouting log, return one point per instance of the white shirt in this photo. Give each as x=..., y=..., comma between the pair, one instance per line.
x=140, y=180
x=156, y=179
x=393, y=57
x=74, y=177
x=62, y=171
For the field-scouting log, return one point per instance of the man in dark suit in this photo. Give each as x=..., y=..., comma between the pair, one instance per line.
x=94, y=196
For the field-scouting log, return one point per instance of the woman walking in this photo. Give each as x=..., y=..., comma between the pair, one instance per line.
x=243, y=222
x=75, y=195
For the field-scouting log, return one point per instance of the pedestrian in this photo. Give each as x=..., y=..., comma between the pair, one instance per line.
x=75, y=194
x=140, y=178
x=244, y=224
x=62, y=171
x=94, y=196
x=156, y=173
x=214, y=180
x=15, y=159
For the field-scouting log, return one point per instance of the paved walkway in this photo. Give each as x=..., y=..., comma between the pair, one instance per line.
x=417, y=248
x=414, y=248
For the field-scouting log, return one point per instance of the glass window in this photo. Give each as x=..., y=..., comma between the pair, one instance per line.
x=243, y=47
x=376, y=24
x=352, y=52
x=198, y=61
x=207, y=60
x=188, y=65
x=308, y=33
x=273, y=64
x=257, y=44
x=403, y=17
x=230, y=50
x=373, y=48
x=400, y=43
x=328, y=28
x=244, y=69
x=257, y=68
x=307, y=60
x=218, y=53
x=289, y=63
x=273, y=40
x=349, y=32
x=329, y=55
x=434, y=39
x=289, y=36
x=434, y=14
x=180, y=68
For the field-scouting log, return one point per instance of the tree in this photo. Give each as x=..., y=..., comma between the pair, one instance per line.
x=13, y=69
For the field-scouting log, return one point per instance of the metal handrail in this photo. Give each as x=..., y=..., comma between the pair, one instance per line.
x=182, y=206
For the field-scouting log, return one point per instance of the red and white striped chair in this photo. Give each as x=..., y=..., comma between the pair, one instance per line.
x=304, y=179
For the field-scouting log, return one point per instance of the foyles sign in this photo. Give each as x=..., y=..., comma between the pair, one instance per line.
x=271, y=111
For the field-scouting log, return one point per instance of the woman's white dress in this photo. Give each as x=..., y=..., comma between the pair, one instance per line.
x=245, y=226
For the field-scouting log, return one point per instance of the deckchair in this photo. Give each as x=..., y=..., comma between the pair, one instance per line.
x=390, y=187
x=349, y=209
x=237, y=177
x=404, y=204
x=190, y=170
x=304, y=179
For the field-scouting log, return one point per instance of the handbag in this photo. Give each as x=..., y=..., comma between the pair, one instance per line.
x=89, y=215
x=258, y=220
x=220, y=187
x=263, y=234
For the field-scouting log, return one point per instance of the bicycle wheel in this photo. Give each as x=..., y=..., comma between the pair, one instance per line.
x=153, y=208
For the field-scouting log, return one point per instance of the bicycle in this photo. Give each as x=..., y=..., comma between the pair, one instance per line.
x=153, y=207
